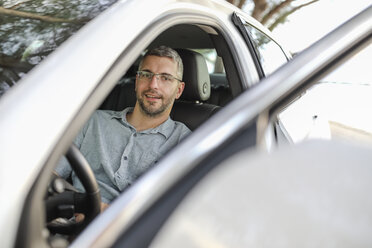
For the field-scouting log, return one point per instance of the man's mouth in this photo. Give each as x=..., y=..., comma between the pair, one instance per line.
x=152, y=97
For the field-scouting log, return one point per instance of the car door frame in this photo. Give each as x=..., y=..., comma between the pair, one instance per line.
x=240, y=22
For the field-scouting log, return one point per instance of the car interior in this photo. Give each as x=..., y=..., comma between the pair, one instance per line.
x=207, y=88
x=211, y=81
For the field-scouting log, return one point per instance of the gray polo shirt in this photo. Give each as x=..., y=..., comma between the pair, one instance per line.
x=117, y=153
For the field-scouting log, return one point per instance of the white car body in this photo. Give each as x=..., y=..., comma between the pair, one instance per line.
x=41, y=116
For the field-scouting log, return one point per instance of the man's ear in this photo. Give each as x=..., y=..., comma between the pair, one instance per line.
x=180, y=88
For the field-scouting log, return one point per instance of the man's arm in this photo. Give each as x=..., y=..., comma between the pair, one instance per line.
x=63, y=168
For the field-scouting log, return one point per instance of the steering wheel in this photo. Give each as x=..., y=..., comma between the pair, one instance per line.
x=64, y=200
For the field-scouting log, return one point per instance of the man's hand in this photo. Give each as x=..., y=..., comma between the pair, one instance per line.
x=80, y=217
x=104, y=206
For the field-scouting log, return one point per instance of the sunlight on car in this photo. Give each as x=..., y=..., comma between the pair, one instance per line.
x=336, y=107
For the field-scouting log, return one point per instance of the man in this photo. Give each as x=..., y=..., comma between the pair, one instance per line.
x=121, y=146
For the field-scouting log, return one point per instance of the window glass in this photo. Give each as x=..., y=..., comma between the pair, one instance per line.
x=30, y=30
x=214, y=62
x=337, y=107
x=269, y=53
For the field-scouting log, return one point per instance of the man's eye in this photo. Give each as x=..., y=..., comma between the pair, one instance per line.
x=147, y=75
x=165, y=78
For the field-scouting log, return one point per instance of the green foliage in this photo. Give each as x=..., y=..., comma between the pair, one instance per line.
x=30, y=30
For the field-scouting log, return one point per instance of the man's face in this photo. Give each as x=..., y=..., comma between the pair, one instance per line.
x=154, y=95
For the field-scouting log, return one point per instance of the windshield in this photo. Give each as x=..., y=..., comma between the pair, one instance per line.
x=32, y=29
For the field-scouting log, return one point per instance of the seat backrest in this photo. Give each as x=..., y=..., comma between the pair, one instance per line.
x=220, y=89
x=189, y=109
x=121, y=97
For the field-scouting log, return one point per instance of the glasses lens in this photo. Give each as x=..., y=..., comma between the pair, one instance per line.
x=145, y=75
x=166, y=78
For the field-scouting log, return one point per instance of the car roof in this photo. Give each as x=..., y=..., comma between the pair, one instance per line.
x=184, y=36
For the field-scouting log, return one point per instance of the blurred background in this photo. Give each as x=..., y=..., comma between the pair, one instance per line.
x=299, y=23
x=338, y=106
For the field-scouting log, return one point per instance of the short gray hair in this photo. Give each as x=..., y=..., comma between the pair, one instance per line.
x=164, y=51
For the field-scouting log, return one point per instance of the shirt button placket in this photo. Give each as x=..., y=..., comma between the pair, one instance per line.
x=124, y=163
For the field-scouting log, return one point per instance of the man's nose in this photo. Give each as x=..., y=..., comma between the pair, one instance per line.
x=154, y=83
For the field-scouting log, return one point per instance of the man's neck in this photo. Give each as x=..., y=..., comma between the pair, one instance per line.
x=140, y=121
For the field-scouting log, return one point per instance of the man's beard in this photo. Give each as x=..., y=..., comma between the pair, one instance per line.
x=151, y=112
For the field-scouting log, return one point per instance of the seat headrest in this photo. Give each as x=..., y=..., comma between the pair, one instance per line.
x=195, y=76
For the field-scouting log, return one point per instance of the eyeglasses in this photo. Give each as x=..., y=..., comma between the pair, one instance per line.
x=163, y=77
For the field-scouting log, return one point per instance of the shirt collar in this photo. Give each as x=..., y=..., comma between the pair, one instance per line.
x=122, y=114
x=165, y=128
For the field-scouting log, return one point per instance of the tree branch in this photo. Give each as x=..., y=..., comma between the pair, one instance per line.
x=17, y=4
x=275, y=10
x=304, y=5
x=259, y=7
x=241, y=3
x=284, y=16
x=10, y=62
x=18, y=13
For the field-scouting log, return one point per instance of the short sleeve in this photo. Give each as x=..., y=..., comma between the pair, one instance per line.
x=63, y=168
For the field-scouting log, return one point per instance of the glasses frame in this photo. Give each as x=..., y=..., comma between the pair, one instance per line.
x=157, y=75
